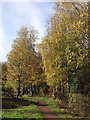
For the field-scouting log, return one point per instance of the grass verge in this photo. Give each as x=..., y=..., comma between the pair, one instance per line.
x=24, y=107
x=61, y=112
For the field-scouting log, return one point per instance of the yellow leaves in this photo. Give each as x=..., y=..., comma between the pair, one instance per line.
x=56, y=40
x=58, y=32
x=74, y=26
x=77, y=44
x=81, y=15
x=23, y=60
x=50, y=41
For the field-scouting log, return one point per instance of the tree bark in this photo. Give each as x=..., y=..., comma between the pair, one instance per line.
x=18, y=88
x=69, y=88
x=61, y=87
x=54, y=92
x=31, y=92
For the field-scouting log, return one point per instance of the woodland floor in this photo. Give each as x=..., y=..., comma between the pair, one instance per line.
x=36, y=108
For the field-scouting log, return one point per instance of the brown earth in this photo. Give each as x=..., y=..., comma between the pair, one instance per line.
x=46, y=111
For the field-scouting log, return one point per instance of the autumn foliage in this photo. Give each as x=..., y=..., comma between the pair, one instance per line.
x=61, y=64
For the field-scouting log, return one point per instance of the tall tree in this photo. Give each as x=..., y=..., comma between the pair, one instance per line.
x=66, y=44
x=22, y=60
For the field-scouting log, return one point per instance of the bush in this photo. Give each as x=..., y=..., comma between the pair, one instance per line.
x=80, y=102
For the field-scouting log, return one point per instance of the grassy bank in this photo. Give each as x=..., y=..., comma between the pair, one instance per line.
x=24, y=107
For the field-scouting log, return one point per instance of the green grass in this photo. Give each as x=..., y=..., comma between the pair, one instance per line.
x=30, y=111
x=26, y=97
x=25, y=107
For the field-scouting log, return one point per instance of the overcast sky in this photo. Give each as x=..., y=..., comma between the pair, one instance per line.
x=15, y=14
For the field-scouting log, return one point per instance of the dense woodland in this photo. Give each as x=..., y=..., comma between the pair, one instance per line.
x=56, y=67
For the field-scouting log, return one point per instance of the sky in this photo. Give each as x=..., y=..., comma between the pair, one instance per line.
x=13, y=15
x=17, y=13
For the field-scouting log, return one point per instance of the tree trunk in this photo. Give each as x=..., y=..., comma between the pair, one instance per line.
x=69, y=88
x=54, y=92
x=31, y=92
x=18, y=89
x=37, y=89
x=26, y=90
x=23, y=91
x=61, y=87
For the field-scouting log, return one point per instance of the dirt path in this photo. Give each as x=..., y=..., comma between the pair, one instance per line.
x=46, y=111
